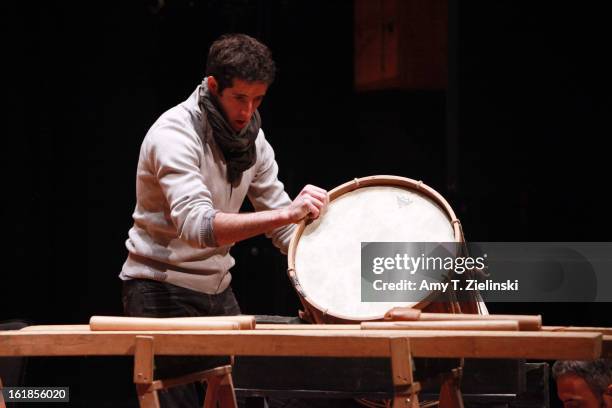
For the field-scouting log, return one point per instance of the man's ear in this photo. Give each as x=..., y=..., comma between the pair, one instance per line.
x=213, y=85
x=608, y=391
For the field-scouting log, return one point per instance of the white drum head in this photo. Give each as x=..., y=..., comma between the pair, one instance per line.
x=328, y=254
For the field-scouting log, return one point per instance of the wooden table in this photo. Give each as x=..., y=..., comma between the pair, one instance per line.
x=333, y=341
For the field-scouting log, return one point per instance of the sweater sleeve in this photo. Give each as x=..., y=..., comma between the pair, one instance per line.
x=175, y=157
x=266, y=192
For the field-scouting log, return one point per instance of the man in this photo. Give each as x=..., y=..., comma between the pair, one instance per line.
x=197, y=164
x=584, y=384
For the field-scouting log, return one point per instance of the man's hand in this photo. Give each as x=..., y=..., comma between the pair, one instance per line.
x=310, y=203
x=229, y=228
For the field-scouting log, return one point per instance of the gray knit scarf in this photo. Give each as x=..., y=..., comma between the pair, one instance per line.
x=238, y=148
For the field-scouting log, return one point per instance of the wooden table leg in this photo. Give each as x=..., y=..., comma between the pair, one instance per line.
x=450, y=394
x=405, y=389
x=143, y=372
x=2, y=404
x=212, y=392
x=227, y=395
x=220, y=387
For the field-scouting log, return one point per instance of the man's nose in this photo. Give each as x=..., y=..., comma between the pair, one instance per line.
x=248, y=108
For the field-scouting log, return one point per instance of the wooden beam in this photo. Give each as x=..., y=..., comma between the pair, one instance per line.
x=322, y=343
x=198, y=376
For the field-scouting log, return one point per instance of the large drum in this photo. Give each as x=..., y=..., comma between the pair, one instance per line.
x=324, y=256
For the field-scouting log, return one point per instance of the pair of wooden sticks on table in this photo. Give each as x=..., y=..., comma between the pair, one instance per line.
x=396, y=319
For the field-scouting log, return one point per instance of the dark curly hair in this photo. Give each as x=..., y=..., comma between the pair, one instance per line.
x=239, y=56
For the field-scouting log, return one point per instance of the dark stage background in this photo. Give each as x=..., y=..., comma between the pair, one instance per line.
x=528, y=103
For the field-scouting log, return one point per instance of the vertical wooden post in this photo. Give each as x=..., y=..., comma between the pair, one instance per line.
x=405, y=389
x=450, y=394
x=2, y=404
x=227, y=395
x=143, y=372
x=212, y=391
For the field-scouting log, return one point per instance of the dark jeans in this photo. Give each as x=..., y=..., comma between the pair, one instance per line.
x=149, y=298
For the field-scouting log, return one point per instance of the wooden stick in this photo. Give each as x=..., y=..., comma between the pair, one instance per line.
x=607, y=331
x=526, y=322
x=500, y=325
x=55, y=327
x=299, y=326
x=118, y=323
x=245, y=322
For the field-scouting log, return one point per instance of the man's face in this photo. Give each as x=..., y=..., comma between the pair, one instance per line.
x=574, y=392
x=239, y=101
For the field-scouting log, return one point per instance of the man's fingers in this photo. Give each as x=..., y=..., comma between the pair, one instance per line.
x=317, y=192
x=315, y=201
x=311, y=202
x=313, y=210
x=322, y=197
x=314, y=190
